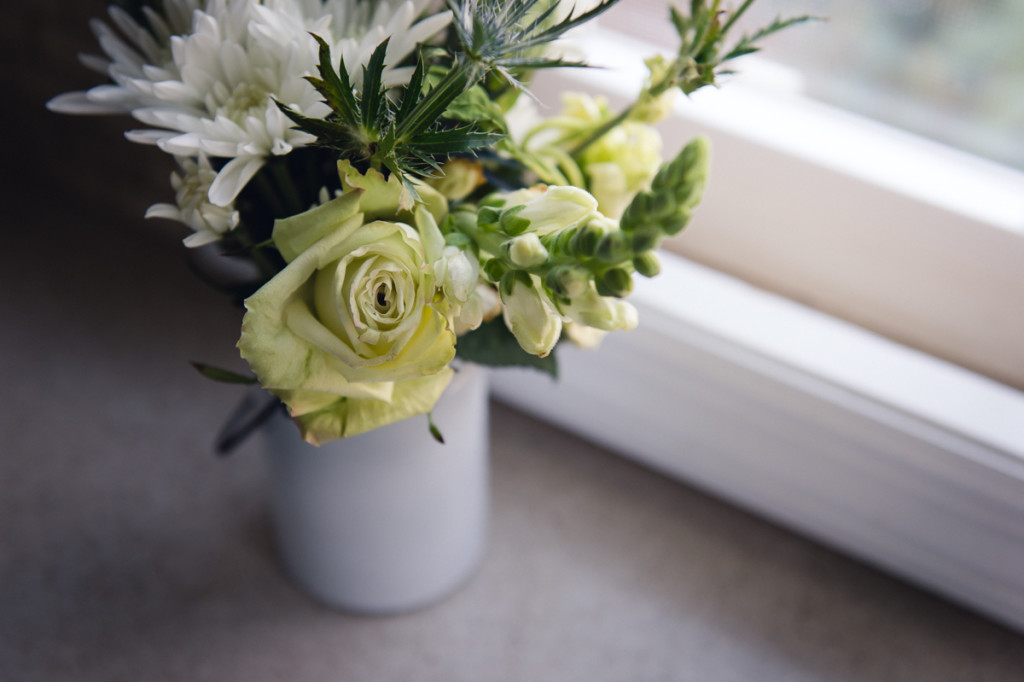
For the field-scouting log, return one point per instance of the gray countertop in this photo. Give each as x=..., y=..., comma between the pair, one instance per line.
x=128, y=551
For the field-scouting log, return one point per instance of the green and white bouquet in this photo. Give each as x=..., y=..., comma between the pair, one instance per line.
x=382, y=166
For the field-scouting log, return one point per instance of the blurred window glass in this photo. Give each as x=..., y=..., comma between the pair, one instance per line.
x=950, y=70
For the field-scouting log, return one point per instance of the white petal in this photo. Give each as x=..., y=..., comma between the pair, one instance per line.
x=159, y=117
x=114, y=95
x=198, y=239
x=157, y=24
x=142, y=38
x=188, y=144
x=222, y=148
x=232, y=178
x=169, y=211
x=399, y=76
x=79, y=103
x=147, y=136
x=174, y=91
x=94, y=63
x=425, y=29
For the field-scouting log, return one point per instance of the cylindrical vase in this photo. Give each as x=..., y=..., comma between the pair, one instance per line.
x=390, y=520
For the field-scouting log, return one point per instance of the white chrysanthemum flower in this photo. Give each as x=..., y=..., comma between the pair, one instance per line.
x=137, y=53
x=193, y=208
x=238, y=58
x=209, y=87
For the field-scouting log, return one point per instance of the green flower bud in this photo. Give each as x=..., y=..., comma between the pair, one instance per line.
x=674, y=193
x=459, y=240
x=646, y=240
x=567, y=281
x=615, y=282
x=512, y=223
x=459, y=221
x=493, y=201
x=561, y=242
x=647, y=264
x=588, y=238
x=614, y=247
x=494, y=269
x=675, y=224
x=488, y=218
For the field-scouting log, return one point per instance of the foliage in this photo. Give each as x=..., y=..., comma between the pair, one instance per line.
x=391, y=218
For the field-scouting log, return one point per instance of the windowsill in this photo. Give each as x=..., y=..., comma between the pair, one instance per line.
x=911, y=463
x=905, y=461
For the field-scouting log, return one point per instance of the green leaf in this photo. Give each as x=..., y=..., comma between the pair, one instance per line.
x=476, y=106
x=493, y=344
x=540, y=20
x=345, y=139
x=495, y=33
x=222, y=375
x=426, y=113
x=413, y=90
x=373, y=87
x=542, y=63
x=555, y=32
x=452, y=141
x=335, y=86
x=746, y=44
x=434, y=431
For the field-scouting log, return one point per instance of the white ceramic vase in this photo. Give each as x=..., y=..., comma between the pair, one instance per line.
x=388, y=521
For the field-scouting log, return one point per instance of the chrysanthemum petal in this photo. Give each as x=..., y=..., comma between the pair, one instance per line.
x=94, y=63
x=79, y=103
x=169, y=211
x=232, y=178
x=148, y=136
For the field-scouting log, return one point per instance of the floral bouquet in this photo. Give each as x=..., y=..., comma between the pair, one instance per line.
x=382, y=168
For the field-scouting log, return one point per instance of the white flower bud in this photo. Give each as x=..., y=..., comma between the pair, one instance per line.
x=458, y=179
x=529, y=314
x=526, y=251
x=583, y=336
x=601, y=312
x=456, y=273
x=557, y=208
x=483, y=306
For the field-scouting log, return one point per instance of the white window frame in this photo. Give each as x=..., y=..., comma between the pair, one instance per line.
x=905, y=460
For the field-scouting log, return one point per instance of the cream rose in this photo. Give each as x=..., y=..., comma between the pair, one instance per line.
x=346, y=334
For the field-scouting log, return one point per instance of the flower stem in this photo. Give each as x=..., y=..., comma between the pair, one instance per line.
x=603, y=130
x=288, y=192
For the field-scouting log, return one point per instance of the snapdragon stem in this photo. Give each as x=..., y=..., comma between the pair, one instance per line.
x=603, y=130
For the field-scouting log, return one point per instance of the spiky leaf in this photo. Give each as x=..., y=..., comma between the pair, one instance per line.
x=459, y=140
